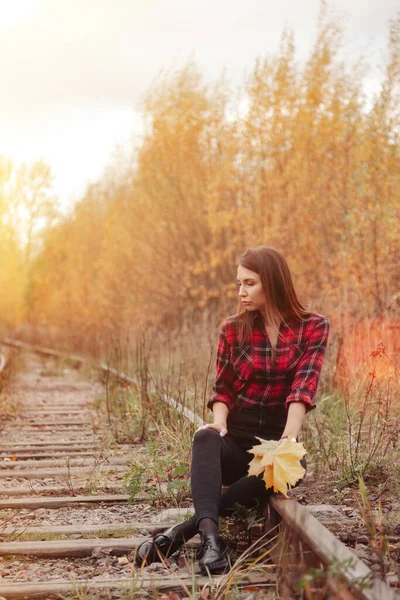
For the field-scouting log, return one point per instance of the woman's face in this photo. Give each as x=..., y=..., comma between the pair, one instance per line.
x=251, y=292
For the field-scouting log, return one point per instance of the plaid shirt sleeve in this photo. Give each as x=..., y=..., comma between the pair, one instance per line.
x=307, y=374
x=223, y=386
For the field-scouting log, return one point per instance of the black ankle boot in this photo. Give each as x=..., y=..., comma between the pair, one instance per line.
x=213, y=554
x=161, y=546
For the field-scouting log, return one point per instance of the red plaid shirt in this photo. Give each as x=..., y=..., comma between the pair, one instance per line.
x=249, y=375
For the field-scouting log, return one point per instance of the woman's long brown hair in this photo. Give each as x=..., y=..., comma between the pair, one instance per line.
x=282, y=300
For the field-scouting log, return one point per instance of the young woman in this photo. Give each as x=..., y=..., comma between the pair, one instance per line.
x=269, y=360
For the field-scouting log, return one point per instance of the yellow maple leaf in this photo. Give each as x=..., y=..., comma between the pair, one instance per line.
x=262, y=456
x=255, y=467
x=269, y=476
x=280, y=463
x=265, y=446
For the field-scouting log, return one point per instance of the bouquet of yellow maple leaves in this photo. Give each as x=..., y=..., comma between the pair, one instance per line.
x=280, y=463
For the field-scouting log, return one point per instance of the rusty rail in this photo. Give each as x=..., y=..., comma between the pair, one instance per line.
x=3, y=362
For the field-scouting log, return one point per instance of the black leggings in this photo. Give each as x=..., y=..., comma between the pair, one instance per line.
x=224, y=460
x=218, y=461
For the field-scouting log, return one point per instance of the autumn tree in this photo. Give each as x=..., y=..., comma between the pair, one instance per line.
x=12, y=267
x=311, y=167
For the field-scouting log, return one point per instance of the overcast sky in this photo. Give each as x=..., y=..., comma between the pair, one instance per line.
x=73, y=71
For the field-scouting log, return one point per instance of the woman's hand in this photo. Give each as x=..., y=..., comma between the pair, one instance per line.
x=295, y=417
x=287, y=437
x=220, y=413
x=218, y=426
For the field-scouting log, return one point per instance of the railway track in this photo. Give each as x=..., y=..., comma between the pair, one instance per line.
x=68, y=532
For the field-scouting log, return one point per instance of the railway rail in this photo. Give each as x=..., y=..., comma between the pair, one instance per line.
x=47, y=458
x=2, y=362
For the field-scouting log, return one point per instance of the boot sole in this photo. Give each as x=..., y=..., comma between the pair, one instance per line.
x=215, y=569
x=154, y=553
x=219, y=566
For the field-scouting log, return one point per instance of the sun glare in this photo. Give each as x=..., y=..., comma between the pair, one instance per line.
x=12, y=11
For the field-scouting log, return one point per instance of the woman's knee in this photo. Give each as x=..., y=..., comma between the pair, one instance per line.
x=205, y=436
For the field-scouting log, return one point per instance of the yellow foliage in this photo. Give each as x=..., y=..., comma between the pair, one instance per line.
x=280, y=463
x=12, y=282
x=310, y=168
